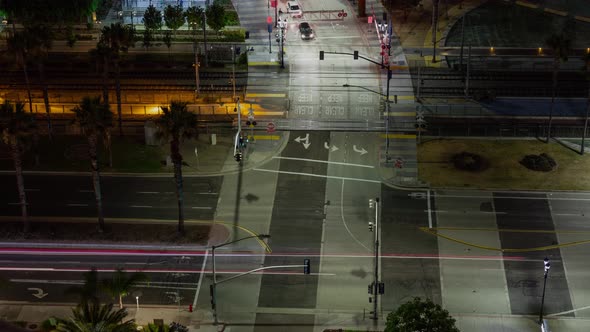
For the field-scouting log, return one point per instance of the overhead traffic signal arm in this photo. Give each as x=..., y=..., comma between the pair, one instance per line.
x=355, y=55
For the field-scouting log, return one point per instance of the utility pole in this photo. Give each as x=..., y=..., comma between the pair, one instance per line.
x=282, y=26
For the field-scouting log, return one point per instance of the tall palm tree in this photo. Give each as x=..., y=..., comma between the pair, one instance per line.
x=16, y=127
x=122, y=283
x=177, y=124
x=560, y=45
x=17, y=45
x=40, y=41
x=95, y=119
x=586, y=59
x=117, y=38
x=94, y=317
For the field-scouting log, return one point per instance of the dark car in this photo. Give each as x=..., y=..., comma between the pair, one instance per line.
x=306, y=31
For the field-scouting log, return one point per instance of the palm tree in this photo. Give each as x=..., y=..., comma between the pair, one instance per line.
x=97, y=318
x=40, y=41
x=177, y=124
x=17, y=45
x=95, y=119
x=16, y=127
x=88, y=292
x=586, y=59
x=117, y=38
x=122, y=283
x=561, y=47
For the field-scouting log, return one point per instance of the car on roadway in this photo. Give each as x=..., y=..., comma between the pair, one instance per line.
x=306, y=31
x=294, y=9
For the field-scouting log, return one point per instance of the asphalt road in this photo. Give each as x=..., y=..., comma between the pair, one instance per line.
x=123, y=197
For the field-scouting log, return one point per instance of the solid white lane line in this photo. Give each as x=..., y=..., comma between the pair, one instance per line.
x=324, y=161
x=207, y=193
x=316, y=175
x=148, y=192
x=201, y=207
x=141, y=206
x=76, y=204
x=465, y=212
x=517, y=197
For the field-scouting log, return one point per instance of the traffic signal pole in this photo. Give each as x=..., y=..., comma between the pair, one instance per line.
x=376, y=276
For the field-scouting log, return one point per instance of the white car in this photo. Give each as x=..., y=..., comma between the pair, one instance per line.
x=294, y=9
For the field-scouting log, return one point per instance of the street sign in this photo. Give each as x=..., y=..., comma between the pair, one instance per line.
x=270, y=127
x=273, y=3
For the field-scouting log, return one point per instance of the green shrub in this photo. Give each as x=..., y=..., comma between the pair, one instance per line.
x=231, y=18
x=234, y=35
x=243, y=59
x=468, y=161
x=539, y=163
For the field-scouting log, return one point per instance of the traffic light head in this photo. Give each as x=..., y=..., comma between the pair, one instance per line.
x=356, y=55
x=306, y=266
x=321, y=55
x=238, y=156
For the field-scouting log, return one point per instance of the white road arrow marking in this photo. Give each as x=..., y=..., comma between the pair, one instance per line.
x=306, y=145
x=40, y=294
x=299, y=139
x=362, y=151
x=327, y=147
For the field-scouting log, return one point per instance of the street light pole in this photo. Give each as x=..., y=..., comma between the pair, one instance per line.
x=547, y=266
x=282, y=26
x=213, y=288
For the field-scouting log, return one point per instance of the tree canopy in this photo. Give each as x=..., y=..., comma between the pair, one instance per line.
x=173, y=17
x=152, y=18
x=420, y=316
x=216, y=16
x=35, y=12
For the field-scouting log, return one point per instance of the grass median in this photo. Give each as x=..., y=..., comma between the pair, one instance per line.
x=504, y=170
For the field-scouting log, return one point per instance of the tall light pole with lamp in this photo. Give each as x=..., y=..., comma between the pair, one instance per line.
x=376, y=288
x=546, y=267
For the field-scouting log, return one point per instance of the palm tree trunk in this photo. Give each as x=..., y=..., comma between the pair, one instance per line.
x=20, y=183
x=177, y=160
x=553, y=90
x=109, y=146
x=118, y=91
x=105, y=79
x=41, y=67
x=92, y=143
x=26, y=72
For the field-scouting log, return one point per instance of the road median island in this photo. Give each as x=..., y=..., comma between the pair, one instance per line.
x=504, y=169
x=72, y=231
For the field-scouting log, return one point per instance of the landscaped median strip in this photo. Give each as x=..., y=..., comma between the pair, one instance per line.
x=264, y=63
x=265, y=95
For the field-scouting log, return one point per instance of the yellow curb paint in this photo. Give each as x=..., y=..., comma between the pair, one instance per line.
x=265, y=95
x=263, y=244
x=267, y=137
x=263, y=112
x=433, y=231
x=410, y=114
x=556, y=12
x=264, y=63
x=403, y=136
x=527, y=4
x=397, y=67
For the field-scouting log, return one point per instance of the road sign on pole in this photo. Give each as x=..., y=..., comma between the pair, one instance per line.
x=270, y=127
